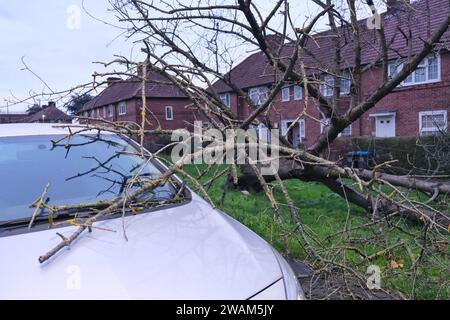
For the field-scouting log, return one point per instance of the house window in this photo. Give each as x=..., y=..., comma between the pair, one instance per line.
x=345, y=83
x=432, y=121
x=258, y=95
x=427, y=71
x=297, y=93
x=110, y=111
x=347, y=132
x=122, y=108
x=327, y=86
x=285, y=93
x=169, y=113
x=98, y=113
x=302, y=129
x=225, y=97
x=104, y=112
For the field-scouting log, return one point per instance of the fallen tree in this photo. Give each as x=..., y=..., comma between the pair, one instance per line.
x=192, y=46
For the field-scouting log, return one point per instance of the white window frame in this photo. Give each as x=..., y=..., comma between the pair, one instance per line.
x=433, y=113
x=122, y=108
x=167, y=108
x=327, y=86
x=412, y=76
x=298, y=92
x=110, y=111
x=347, y=77
x=302, y=129
x=226, y=99
x=262, y=92
x=349, y=133
x=286, y=93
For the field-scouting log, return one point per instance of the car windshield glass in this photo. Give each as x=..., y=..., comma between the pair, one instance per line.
x=84, y=169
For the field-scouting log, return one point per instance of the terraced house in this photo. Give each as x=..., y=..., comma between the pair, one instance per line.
x=121, y=101
x=419, y=106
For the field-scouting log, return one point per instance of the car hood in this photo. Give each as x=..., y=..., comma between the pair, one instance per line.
x=186, y=252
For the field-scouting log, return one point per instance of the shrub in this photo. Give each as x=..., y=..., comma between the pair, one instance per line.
x=423, y=155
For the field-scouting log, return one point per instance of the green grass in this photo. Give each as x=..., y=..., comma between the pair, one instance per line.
x=324, y=213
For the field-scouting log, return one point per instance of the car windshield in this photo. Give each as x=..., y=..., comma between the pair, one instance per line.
x=84, y=169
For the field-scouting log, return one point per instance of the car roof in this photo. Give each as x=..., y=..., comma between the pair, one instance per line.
x=39, y=129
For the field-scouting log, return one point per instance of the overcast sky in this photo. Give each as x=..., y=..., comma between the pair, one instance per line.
x=60, y=49
x=54, y=46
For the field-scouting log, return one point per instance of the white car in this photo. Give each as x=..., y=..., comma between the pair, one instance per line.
x=184, y=250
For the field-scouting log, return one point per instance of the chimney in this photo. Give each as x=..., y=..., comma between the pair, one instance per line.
x=111, y=80
x=139, y=69
x=393, y=5
x=51, y=104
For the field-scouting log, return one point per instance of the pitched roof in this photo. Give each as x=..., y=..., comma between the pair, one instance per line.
x=157, y=87
x=51, y=113
x=256, y=71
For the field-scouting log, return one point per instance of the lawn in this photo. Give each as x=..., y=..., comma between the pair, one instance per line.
x=324, y=214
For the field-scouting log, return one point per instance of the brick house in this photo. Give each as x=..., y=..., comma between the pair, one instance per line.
x=49, y=114
x=121, y=100
x=419, y=106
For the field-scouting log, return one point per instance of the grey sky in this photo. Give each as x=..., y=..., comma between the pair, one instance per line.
x=63, y=56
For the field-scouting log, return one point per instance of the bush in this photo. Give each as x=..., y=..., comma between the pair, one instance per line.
x=154, y=143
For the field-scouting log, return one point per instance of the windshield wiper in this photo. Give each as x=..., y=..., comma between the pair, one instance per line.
x=22, y=222
x=85, y=210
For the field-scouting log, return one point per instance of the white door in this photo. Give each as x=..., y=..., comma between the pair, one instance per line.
x=385, y=126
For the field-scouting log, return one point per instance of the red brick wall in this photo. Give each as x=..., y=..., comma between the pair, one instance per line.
x=407, y=102
x=182, y=115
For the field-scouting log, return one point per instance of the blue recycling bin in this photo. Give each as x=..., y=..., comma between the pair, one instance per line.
x=360, y=159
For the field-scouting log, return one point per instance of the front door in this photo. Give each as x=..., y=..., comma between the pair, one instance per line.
x=385, y=126
x=293, y=136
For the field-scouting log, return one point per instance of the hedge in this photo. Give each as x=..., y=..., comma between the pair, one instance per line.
x=419, y=155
